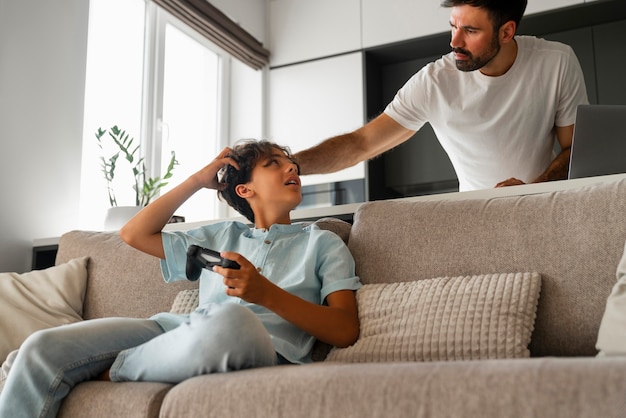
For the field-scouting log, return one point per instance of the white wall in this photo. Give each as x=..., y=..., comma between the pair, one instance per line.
x=42, y=73
x=249, y=14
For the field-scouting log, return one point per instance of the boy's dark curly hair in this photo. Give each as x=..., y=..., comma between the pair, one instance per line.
x=247, y=154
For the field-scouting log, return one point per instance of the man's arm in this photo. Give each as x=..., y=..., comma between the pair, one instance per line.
x=343, y=151
x=559, y=167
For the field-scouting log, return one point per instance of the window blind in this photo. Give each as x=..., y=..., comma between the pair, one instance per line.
x=219, y=29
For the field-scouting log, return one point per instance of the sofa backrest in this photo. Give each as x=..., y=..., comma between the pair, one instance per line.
x=574, y=238
x=122, y=281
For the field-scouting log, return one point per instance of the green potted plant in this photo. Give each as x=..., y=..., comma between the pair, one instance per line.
x=146, y=188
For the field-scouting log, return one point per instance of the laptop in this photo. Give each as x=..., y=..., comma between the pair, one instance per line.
x=599, y=142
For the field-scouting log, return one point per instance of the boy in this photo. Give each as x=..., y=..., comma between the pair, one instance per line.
x=265, y=313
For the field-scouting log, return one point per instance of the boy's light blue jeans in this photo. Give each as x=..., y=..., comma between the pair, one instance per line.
x=51, y=362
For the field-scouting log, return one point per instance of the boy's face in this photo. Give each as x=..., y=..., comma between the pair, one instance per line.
x=275, y=181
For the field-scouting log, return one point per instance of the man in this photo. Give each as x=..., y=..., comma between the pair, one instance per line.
x=497, y=102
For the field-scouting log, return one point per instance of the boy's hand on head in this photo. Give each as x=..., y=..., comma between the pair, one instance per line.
x=245, y=283
x=207, y=176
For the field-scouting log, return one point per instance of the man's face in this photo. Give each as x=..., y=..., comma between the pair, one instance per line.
x=474, y=41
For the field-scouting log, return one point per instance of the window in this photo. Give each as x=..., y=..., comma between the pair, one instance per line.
x=188, y=109
x=168, y=87
x=113, y=96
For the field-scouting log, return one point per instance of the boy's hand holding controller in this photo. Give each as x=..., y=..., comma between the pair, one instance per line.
x=246, y=282
x=199, y=258
x=241, y=278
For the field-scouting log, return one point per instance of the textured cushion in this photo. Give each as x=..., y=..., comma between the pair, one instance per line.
x=612, y=333
x=460, y=318
x=40, y=299
x=185, y=302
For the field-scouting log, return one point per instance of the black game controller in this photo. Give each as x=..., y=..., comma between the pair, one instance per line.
x=199, y=258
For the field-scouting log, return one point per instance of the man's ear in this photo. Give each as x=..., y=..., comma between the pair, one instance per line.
x=243, y=191
x=507, y=31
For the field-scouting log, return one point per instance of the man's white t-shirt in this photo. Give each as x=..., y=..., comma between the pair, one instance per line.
x=495, y=128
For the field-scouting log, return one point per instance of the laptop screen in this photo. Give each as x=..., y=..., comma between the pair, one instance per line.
x=599, y=143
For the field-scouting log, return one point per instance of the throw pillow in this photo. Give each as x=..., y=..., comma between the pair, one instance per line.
x=186, y=301
x=450, y=318
x=40, y=299
x=612, y=333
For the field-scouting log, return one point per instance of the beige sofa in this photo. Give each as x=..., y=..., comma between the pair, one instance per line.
x=572, y=239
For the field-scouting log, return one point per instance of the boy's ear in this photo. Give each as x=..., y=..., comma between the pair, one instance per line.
x=243, y=191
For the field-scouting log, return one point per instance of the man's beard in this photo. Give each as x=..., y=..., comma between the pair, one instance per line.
x=475, y=63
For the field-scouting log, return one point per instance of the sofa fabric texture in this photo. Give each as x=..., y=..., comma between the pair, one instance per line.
x=574, y=239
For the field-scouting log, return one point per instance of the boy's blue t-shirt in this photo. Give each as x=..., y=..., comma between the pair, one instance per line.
x=303, y=260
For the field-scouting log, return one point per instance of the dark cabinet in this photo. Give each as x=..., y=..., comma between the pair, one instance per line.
x=610, y=60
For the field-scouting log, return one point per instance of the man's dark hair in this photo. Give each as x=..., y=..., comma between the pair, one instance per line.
x=500, y=11
x=247, y=154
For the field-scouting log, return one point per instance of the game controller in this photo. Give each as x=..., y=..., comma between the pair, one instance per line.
x=199, y=258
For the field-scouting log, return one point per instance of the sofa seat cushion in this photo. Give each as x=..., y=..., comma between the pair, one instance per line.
x=107, y=399
x=490, y=388
x=449, y=318
x=40, y=299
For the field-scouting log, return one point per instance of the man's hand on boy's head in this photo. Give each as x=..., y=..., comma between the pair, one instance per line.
x=208, y=176
x=245, y=283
